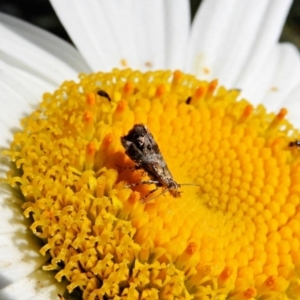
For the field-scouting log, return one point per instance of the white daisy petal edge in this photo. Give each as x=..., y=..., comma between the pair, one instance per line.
x=90, y=30
x=21, y=276
x=265, y=42
x=224, y=34
x=232, y=40
x=38, y=52
x=20, y=93
x=19, y=252
x=277, y=77
x=139, y=34
x=293, y=105
x=32, y=62
x=11, y=213
x=39, y=285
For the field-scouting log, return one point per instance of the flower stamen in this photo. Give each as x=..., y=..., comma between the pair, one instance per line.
x=236, y=238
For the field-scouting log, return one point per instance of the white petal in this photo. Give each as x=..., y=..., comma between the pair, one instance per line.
x=116, y=33
x=38, y=52
x=20, y=256
x=209, y=30
x=19, y=93
x=40, y=285
x=278, y=76
x=285, y=79
x=27, y=85
x=293, y=106
x=254, y=90
x=177, y=14
x=89, y=29
x=266, y=39
x=11, y=213
x=119, y=38
x=10, y=113
x=230, y=39
x=149, y=23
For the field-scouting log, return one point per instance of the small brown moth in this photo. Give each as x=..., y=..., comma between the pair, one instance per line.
x=140, y=146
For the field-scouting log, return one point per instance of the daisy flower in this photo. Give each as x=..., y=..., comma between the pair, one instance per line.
x=220, y=97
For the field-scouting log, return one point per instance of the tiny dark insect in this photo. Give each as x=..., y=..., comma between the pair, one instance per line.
x=140, y=146
x=296, y=144
x=188, y=100
x=104, y=94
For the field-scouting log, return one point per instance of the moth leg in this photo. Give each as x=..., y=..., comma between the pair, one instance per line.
x=144, y=199
x=143, y=182
x=133, y=168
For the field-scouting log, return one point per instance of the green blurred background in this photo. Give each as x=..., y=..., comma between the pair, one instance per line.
x=40, y=13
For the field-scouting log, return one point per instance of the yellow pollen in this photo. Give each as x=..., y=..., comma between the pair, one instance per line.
x=237, y=236
x=160, y=90
x=88, y=124
x=246, y=113
x=192, y=247
x=128, y=89
x=90, y=99
x=278, y=120
x=123, y=63
x=149, y=64
x=212, y=86
x=177, y=78
x=250, y=293
x=198, y=94
x=90, y=155
x=91, y=103
x=206, y=70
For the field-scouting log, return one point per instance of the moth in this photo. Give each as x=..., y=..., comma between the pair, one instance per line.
x=141, y=147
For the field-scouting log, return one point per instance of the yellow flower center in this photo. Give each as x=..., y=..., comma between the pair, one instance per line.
x=234, y=237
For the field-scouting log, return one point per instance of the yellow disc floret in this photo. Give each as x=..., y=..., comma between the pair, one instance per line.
x=237, y=236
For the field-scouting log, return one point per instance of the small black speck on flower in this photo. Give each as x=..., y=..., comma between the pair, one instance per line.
x=295, y=144
x=188, y=100
x=104, y=94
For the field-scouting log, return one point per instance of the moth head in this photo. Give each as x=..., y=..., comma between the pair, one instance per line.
x=173, y=188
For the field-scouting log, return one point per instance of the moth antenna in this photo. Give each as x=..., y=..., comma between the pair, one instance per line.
x=193, y=184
